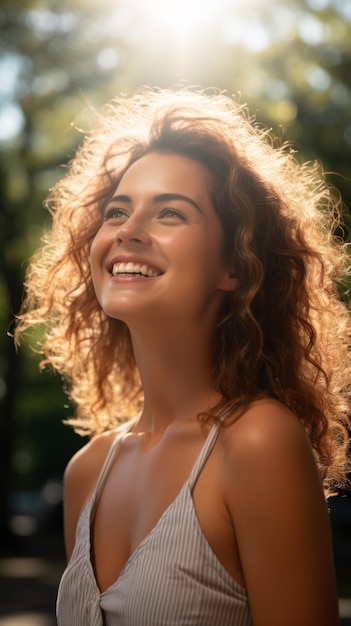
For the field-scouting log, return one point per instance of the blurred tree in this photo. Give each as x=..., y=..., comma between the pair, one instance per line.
x=290, y=61
x=309, y=86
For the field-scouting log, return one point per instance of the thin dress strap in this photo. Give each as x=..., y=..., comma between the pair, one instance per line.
x=199, y=464
x=122, y=431
x=208, y=447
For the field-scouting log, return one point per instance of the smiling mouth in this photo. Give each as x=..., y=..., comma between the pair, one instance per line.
x=134, y=269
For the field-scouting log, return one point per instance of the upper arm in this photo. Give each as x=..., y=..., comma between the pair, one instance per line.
x=277, y=505
x=80, y=478
x=74, y=497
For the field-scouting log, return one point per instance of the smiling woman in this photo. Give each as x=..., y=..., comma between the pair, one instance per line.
x=161, y=218
x=188, y=288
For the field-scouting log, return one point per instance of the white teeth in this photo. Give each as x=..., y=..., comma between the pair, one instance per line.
x=133, y=268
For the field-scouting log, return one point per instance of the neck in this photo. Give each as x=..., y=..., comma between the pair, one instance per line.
x=175, y=370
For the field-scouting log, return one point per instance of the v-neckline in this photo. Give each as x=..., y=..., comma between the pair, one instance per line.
x=140, y=545
x=188, y=484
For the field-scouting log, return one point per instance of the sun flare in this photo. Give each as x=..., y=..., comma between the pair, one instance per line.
x=179, y=18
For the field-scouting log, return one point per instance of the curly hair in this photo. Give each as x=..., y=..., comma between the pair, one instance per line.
x=283, y=333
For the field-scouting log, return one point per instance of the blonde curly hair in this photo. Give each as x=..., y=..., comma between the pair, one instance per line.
x=283, y=333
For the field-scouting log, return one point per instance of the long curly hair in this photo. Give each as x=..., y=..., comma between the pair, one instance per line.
x=283, y=333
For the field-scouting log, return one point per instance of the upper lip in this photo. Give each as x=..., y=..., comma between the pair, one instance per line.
x=136, y=260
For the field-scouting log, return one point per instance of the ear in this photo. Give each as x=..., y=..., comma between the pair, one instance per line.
x=229, y=281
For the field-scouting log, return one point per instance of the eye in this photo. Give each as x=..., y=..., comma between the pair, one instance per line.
x=115, y=213
x=175, y=214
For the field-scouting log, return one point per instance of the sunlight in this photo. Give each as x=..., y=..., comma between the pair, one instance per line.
x=179, y=17
x=180, y=40
x=182, y=22
x=178, y=34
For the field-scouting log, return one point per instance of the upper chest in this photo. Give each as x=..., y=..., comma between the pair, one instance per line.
x=143, y=480
x=143, y=483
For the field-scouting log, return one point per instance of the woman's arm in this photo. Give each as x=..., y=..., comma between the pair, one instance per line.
x=277, y=505
x=80, y=479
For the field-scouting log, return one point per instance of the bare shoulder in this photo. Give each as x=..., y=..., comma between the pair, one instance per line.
x=80, y=478
x=84, y=467
x=275, y=500
x=262, y=415
x=267, y=455
x=267, y=432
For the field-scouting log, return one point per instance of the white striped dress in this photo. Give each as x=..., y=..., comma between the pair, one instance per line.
x=173, y=578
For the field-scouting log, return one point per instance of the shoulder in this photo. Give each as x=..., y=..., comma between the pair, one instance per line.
x=87, y=463
x=275, y=500
x=83, y=468
x=268, y=431
x=267, y=451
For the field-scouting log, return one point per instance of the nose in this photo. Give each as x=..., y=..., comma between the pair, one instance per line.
x=133, y=230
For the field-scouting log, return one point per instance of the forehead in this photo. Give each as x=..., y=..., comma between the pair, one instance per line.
x=163, y=170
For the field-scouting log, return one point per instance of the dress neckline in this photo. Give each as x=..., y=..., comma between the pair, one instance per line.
x=189, y=484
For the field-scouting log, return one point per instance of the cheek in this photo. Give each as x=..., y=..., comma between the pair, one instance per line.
x=96, y=255
x=97, y=249
x=210, y=251
x=93, y=251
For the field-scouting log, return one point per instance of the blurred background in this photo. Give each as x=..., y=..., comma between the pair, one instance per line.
x=289, y=61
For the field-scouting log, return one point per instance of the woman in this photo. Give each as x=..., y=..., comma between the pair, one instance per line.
x=188, y=288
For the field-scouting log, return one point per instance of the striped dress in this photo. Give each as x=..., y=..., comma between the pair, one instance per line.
x=173, y=578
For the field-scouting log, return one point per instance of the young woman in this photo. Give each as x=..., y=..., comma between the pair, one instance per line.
x=189, y=292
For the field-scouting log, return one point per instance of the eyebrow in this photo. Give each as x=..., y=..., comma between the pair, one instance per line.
x=162, y=197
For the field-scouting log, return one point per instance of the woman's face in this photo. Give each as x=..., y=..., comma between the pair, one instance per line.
x=159, y=252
